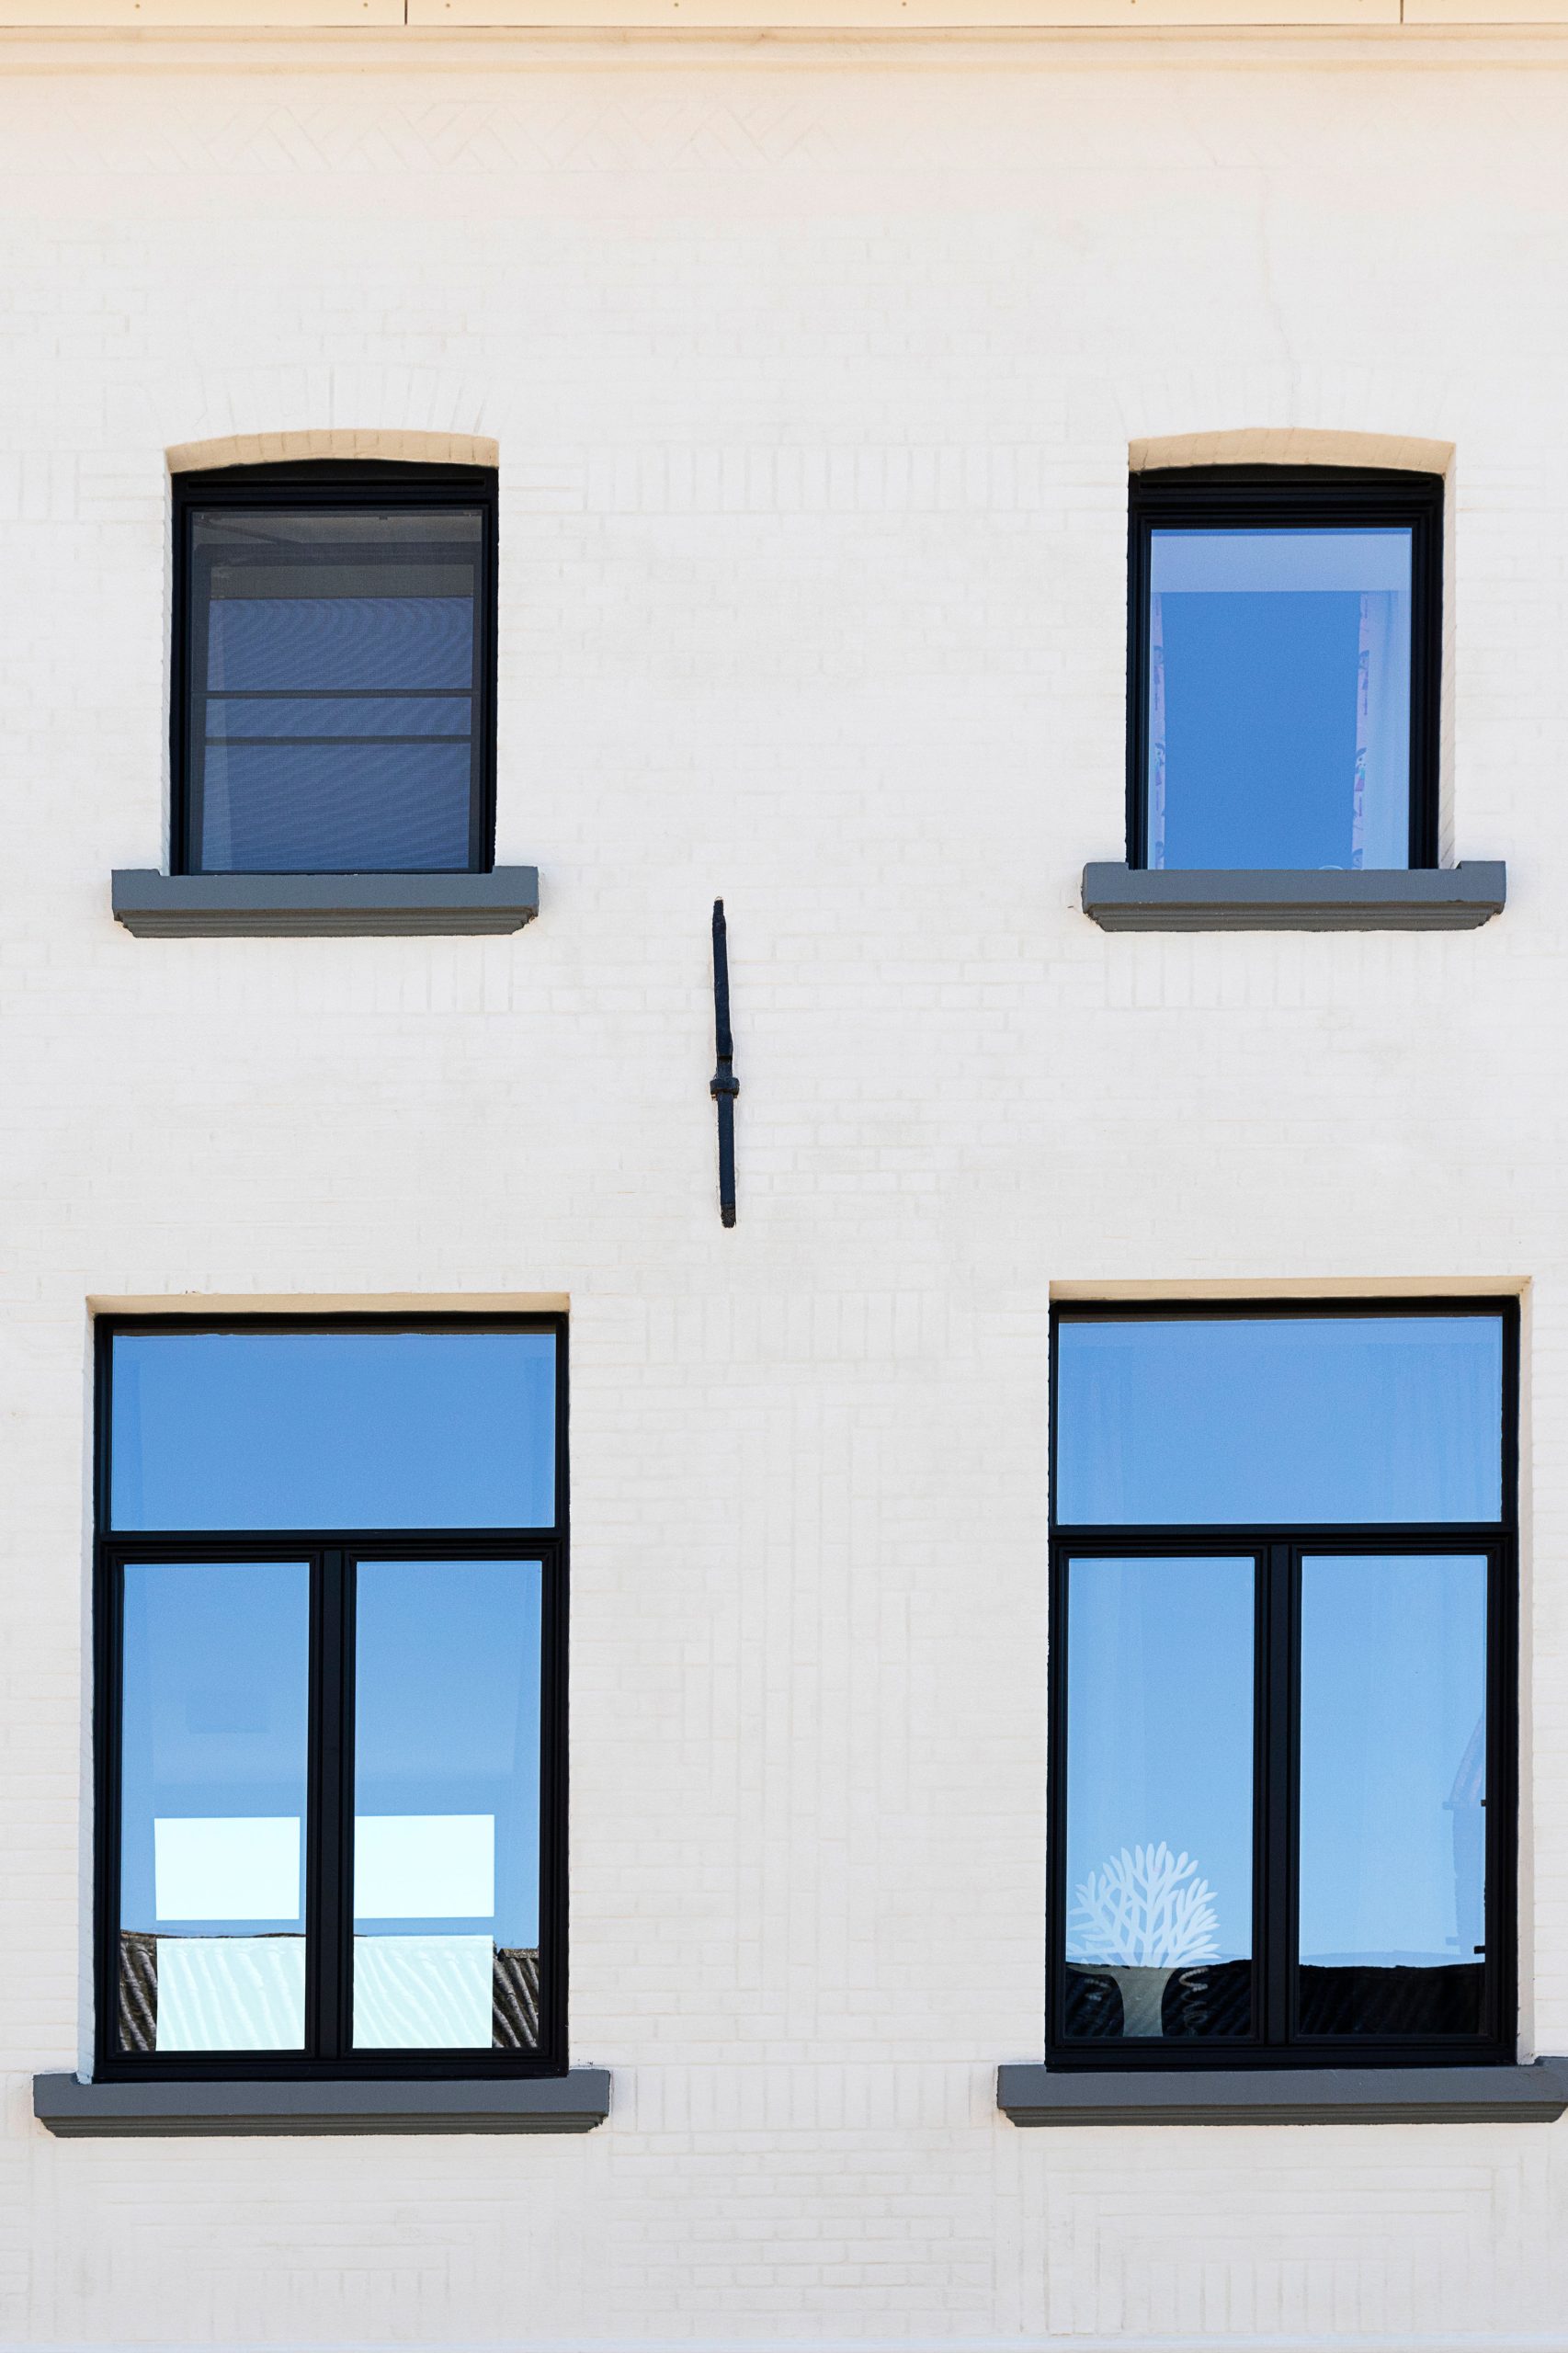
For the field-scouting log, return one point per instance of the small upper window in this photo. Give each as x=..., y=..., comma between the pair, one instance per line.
x=334, y=669
x=1285, y=640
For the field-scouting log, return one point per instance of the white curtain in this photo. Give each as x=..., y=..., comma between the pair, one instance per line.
x=1380, y=834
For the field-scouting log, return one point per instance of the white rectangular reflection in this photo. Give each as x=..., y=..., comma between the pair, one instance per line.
x=226, y=1867
x=423, y=1993
x=231, y=1993
x=425, y=1867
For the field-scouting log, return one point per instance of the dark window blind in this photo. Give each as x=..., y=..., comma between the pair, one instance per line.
x=336, y=688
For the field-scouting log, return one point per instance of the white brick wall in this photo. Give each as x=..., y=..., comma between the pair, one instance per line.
x=814, y=374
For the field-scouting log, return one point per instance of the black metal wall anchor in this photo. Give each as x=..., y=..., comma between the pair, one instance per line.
x=723, y=1085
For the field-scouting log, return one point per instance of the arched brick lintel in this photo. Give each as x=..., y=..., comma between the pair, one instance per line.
x=1290, y=445
x=344, y=442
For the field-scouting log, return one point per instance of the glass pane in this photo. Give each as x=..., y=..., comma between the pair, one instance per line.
x=1279, y=698
x=332, y=1429
x=274, y=718
x=214, y=1767
x=1159, y=1797
x=1393, y=1792
x=363, y=617
x=447, y=1806
x=312, y=808
x=1270, y=1421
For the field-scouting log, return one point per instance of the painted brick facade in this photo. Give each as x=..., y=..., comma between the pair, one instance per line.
x=814, y=370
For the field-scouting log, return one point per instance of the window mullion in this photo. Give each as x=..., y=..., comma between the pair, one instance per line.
x=1500, y=1908
x=108, y=1713
x=330, y=1850
x=1277, y=1809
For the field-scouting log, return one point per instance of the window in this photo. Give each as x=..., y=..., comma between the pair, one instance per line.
x=1282, y=1685
x=1286, y=636
x=335, y=661
x=330, y=1643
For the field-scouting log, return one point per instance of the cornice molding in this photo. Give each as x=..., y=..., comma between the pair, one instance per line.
x=384, y=31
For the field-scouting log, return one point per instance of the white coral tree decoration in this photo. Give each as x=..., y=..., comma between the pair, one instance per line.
x=1139, y=1919
x=1146, y=1910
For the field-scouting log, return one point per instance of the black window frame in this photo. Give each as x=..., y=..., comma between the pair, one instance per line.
x=329, y=1831
x=1277, y=1551
x=1292, y=497
x=328, y=482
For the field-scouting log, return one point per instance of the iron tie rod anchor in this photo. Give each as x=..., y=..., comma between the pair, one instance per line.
x=723, y=1085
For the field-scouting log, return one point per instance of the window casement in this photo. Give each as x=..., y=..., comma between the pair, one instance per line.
x=1286, y=633
x=333, y=670
x=330, y=1601
x=1283, y=1711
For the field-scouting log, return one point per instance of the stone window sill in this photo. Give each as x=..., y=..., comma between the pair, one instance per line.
x=74, y=2111
x=1525, y=2095
x=1449, y=898
x=208, y=906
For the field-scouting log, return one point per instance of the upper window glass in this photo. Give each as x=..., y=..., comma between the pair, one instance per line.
x=1216, y=1421
x=1285, y=669
x=335, y=659
x=302, y=1429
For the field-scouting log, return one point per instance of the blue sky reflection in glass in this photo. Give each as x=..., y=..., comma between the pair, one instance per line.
x=1393, y=1760
x=1159, y=1770
x=1277, y=1420
x=1278, y=699
x=446, y=1796
x=333, y=1430
x=215, y=1678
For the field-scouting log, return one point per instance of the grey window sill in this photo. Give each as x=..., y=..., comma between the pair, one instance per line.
x=78, y=2111
x=1532, y=2094
x=207, y=906
x=1449, y=898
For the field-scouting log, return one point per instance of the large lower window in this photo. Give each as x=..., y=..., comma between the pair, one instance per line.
x=1282, y=1685
x=330, y=1642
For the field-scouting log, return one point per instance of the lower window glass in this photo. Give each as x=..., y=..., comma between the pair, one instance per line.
x=1283, y=1685
x=210, y=1937
x=447, y=1806
x=330, y=1783
x=1393, y=1903
x=1159, y=1739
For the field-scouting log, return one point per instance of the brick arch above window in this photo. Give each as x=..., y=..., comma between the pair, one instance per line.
x=1290, y=445
x=346, y=444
